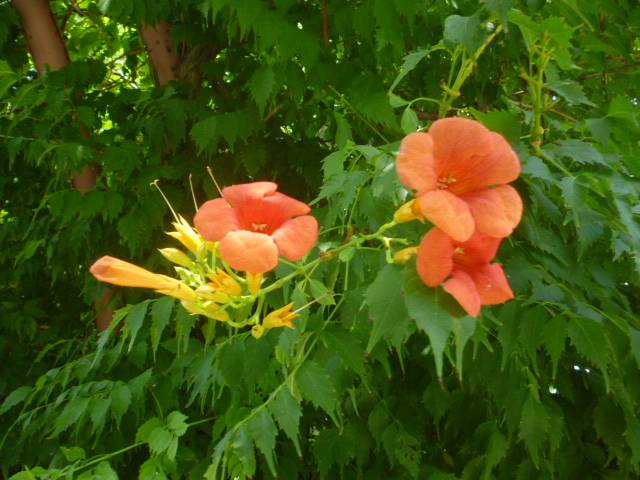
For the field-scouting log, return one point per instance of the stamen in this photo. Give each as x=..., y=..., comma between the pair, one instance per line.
x=155, y=184
x=193, y=193
x=259, y=227
x=444, y=182
x=315, y=300
x=214, y=181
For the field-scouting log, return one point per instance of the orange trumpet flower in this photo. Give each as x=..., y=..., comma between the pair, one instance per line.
x=472, y=280
x=459, y=170
x=254, y=223
x=118, y=272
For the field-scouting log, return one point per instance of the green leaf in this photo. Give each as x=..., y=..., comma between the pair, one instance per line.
x=634, y=340
x=160, y=315
x=243, y=448
x=287, y=413
x=176, y=421
x=343, y=132
x=70, y=415
x=73, y=454
x=348, y=347
x=134, y=321
x=159, y=440
x=463, y=330
x=587, y=336
x=533, y=427
x=506, y=123
x=144, y=431
x=464, y=31
x=120, y=401
x=385, y=301
x=98, y=409
x=205, y=135
x=554, y=337
x=261, y=85
x=409, y=62
x=320, y=292
x=409, y=121
x=427, y=307
x=14, y=398
x=501, y=8
x=571, y=91
x=579, y=151
x=263, y=431
x=316, y=386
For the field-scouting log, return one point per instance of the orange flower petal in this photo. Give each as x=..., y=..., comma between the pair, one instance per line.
x=491, y=284
x=249, y=251
x=464, y=290
x=449, y=213
x=478, y=250
x=269, y=212
x=415, y=163
x=237, y=194
x=296, y=237
x=496, y=211
x=471, y=155
x=215, y=219
x=435, y=257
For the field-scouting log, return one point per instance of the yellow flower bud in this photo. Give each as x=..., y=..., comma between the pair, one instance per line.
x=224, y=282
x=186, y=235
x=257, y=331
x=176, y=256
x=403, y=256
x=408, y=212
x=254, y=280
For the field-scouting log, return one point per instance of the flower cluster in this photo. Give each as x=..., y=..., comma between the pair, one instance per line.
x=244, y=231
x=460, y=171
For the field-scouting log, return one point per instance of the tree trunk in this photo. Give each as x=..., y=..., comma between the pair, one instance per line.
x=157, y=39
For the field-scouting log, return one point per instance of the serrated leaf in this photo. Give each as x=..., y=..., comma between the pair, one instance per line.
x=554, y=337
x=205, y=134
x=159, y=440
x=426, y=306
x=579, y=151
x=409, y=121
x=98, y=411
x=160, y=315
x=333, y=164
x=14, y=398
x=634, y=340
x=261, y=85
x=534, y=425
x=144, y=431
x=321, y=293
x=134, y=321
x=463, y=329
x=409, y=62
x=464, y=31
x=263, y=431
x=587, y=336
x=571, y=91
x=243, y=447
x=385, y=301
x=348, y=347
x=70, y=414
x=343, y=131
x=287, y=413
x=316, y=386
x=120, y=401
x=176, y=421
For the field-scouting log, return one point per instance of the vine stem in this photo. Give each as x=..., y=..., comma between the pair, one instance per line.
x=329, y=254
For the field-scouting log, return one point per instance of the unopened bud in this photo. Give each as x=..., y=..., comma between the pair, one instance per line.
x=408, y=212
x=404, y=255
x=176, y=256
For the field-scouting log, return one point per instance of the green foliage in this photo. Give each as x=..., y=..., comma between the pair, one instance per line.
x=371, y=382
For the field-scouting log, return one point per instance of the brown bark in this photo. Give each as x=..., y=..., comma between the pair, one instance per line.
x=157, y=39
x=48, y=51
x=42, y=35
